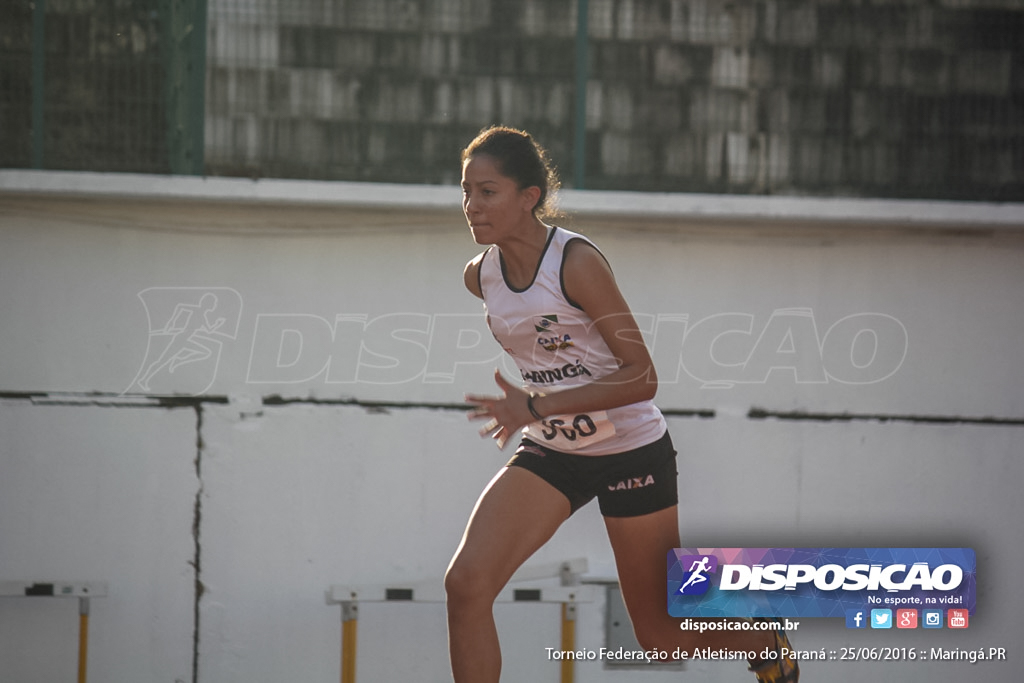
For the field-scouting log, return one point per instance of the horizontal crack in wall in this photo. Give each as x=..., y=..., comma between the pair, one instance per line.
x=141, y=401
x=802, y=416
x=106, y=400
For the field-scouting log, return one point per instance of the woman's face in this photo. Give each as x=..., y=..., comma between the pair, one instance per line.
x=495, y=207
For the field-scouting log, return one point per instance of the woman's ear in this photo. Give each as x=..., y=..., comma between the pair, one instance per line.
x=530, y=196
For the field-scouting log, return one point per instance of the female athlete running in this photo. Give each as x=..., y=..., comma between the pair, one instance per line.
x=589, y=426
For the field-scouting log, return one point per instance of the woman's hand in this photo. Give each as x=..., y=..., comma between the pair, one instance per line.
x=507, y=413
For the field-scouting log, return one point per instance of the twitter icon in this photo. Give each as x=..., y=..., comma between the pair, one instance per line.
x=881, y=618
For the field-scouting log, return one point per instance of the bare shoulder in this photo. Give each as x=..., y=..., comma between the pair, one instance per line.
x=471, y=275
x=586, y=272
x=590, y=284
x=581, y=253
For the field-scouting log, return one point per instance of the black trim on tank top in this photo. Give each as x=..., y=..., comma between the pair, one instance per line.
x=480, y=271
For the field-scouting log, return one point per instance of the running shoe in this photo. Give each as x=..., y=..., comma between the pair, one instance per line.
x=782, y=669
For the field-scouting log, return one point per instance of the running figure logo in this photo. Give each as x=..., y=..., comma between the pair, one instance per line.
x=695, y=581
x=188, y=327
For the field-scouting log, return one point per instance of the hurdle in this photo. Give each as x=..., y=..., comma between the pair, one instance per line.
x=569, y=594
x=83, y=590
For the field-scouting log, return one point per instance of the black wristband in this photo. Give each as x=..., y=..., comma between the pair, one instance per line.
x=533, y=411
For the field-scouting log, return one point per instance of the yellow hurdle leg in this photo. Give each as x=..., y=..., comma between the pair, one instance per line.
x=568, y=641
x=83, y=637
x=349, y=626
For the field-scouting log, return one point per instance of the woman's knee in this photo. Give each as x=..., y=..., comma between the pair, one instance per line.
x=658, y=631
x=652, y=638
x=465, y=584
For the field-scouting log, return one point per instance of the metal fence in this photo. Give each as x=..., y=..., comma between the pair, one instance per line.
x=911, y=98
x=102, y=85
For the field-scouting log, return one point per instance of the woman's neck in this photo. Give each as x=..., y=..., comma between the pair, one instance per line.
x=521, y=255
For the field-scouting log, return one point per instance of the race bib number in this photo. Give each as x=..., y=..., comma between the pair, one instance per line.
x=572, y=432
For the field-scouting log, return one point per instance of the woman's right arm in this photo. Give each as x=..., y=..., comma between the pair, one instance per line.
x=471, y=276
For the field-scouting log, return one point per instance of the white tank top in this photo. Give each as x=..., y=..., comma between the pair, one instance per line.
x=556, y=346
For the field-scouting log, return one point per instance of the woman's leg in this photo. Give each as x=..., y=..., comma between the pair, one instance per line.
x=641, y=546
x=516, y=514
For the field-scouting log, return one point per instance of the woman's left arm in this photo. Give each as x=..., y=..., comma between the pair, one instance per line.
x=589, y=282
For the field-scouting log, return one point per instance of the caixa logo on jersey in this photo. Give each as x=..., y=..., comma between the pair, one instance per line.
x=817, y=582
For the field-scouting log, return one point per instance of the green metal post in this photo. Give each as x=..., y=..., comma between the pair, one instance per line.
x=184, y=34
x=582, y=68
x=38, y=80
x=197, y=112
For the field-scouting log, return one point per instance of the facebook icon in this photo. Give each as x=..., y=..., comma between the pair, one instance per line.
x=856, y=618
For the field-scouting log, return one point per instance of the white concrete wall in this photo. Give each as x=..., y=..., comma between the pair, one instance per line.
x=367, y=470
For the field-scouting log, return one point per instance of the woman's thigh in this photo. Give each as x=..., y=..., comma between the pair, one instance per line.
x=516, y=514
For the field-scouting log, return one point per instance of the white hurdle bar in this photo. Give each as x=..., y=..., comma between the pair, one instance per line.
x=83, y=590
x=569, y=594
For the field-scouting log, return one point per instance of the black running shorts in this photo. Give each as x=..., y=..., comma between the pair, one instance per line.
x=628, y=484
